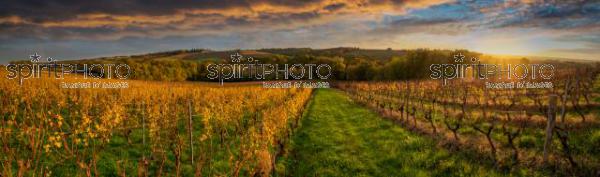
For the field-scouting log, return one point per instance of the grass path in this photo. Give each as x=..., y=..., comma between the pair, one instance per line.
x=341, y=138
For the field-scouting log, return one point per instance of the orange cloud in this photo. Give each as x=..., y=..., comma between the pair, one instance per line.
x=258, y=15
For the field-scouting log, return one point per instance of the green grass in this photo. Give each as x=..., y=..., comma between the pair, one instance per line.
x=341, y=138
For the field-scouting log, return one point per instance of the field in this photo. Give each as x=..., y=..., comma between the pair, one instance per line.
x=414, y=127
x=339, y=137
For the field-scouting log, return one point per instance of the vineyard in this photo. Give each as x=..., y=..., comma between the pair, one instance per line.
x=155, y=128
x=509, y=127
x=148, y=129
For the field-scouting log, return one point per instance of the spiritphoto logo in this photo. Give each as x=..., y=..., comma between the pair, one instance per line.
x=249, y=68
x=523, y=73
x=53, y=69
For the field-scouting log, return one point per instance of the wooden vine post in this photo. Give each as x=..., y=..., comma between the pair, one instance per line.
x=190, y=129
x=550, y=126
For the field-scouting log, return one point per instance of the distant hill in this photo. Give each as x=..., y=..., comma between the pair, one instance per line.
x=206, y=54
x=346, y=52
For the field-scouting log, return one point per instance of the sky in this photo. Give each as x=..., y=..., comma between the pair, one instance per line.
x=70, y=29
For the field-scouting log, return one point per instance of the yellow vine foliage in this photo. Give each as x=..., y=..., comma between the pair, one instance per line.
x=41, y=116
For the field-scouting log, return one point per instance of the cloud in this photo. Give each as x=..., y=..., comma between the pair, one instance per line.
x=334, y=7
x=447, y=19
x=112, y=20
x=138, y=26
x=582, y=46
x=547, y=14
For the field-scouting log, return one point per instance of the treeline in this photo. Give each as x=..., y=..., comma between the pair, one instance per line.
x=159, y=70
x=358, y=64
x=346, y=63
x=161, y=66
x=413, y=64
